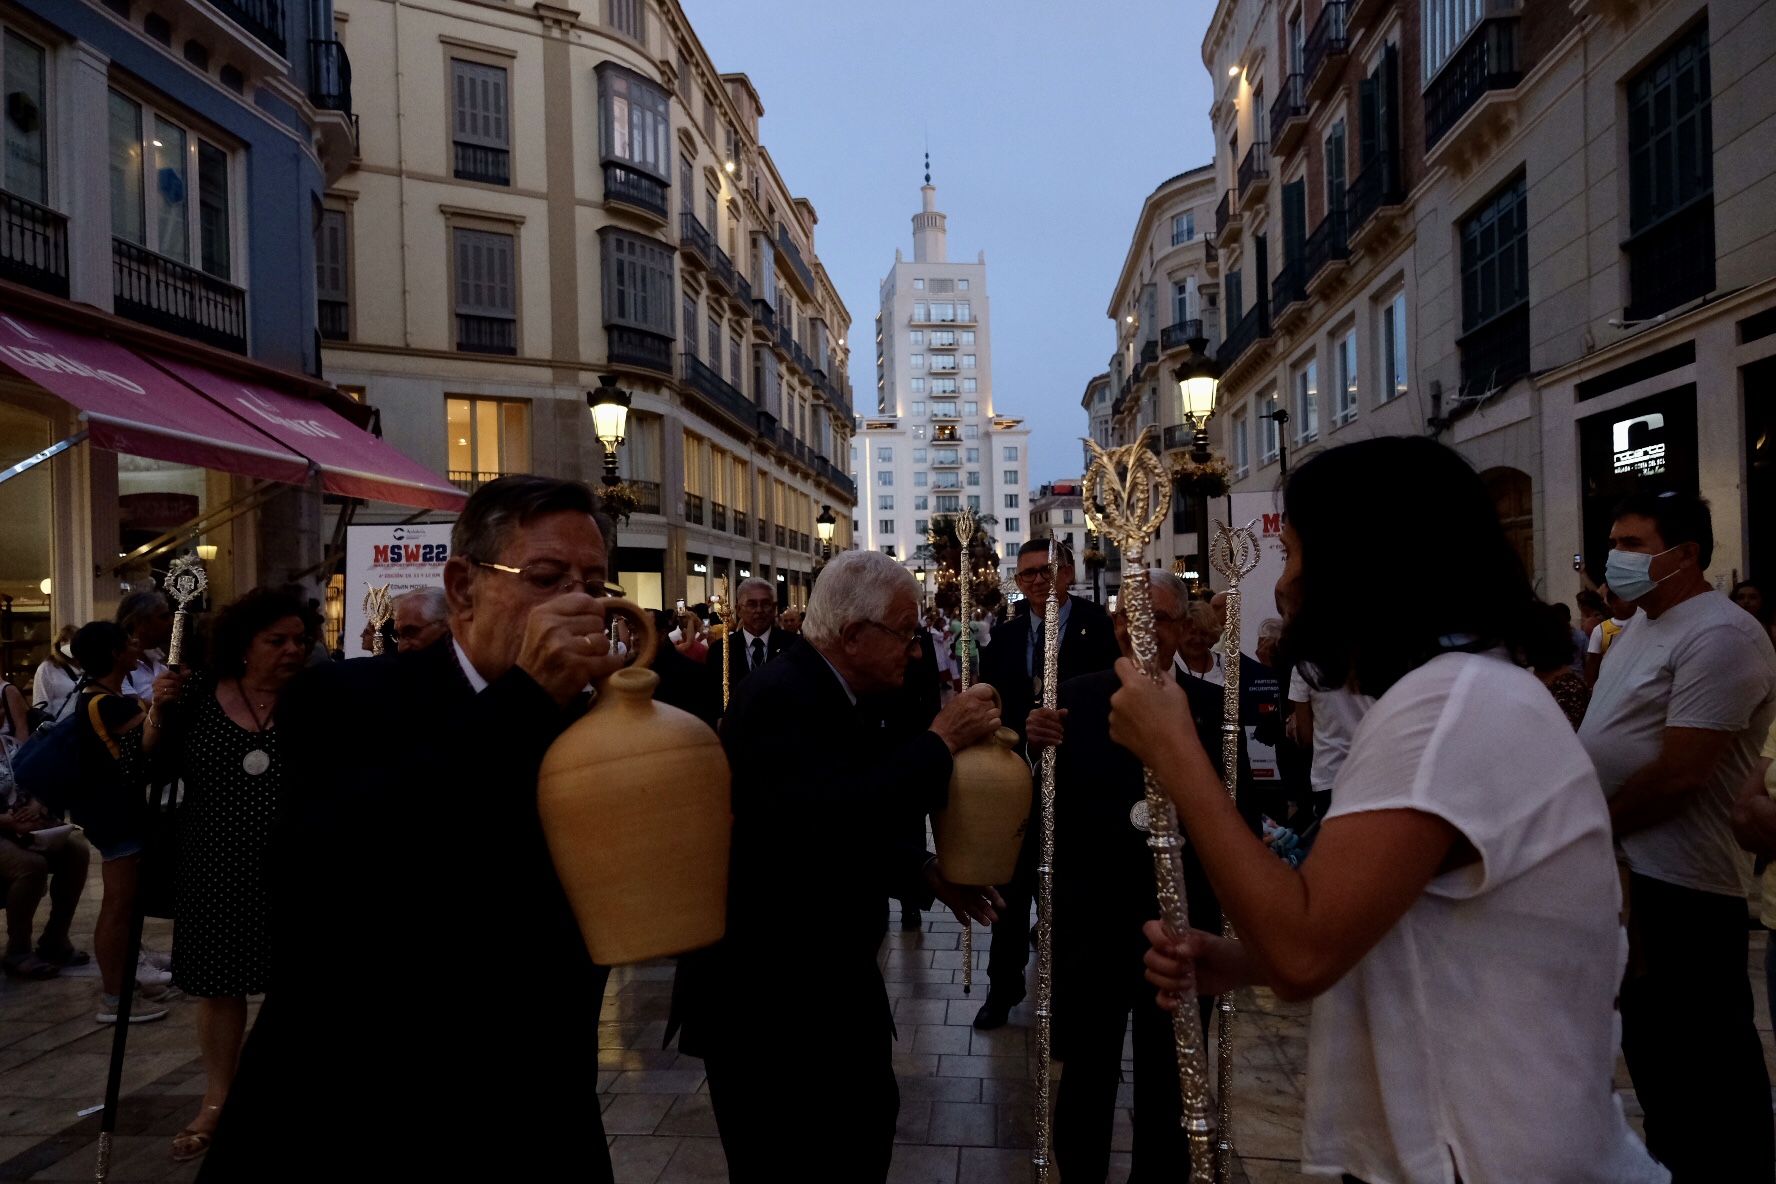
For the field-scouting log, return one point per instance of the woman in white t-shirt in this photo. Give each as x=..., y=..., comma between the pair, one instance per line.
x=1456, y=923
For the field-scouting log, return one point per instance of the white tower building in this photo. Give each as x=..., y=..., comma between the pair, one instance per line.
x=938, y=442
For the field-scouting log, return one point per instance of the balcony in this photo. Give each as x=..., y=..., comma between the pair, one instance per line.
x=1254, y=175
x=718, y=517
x=1671, y=262
x=764, y=531
x=264, y=19
x=1180, y=335
x=1327, y=43
x=639, y=191
x=469, y=480
x=1495, y=354
x=1323, y=256
x=486, y=335
x=782, y=535
x=1288, y=294
x=478, y=162
x=766, y=318
x=694, y=509
x=637, y=347
x=333, y=320
x=945, y=413
x=1288, y=116
x=1227, y=220
x=1359, y=14
x=1252, y=328
x=168, y=295
x=948, y=483
x=742, y=524
x=723, y=267
x=718, y=392
x=1178, y=437
x=329, y=76
x=1487, y=62
x=743, y=290
x=945, y=459
x=787, y=248
x=693, y=239
x=1149, y=355
x=844, y=486
x=1211, y=253
x=647, y=495
x=1373, y=198
x=33, y=245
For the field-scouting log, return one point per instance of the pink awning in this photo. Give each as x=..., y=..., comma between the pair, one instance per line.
x=130, y=406
x=352, y=462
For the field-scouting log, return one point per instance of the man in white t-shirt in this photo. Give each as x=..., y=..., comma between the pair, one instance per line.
x=1674, y=726
x=1328, y=719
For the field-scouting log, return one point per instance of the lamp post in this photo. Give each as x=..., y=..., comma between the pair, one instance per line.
x=1199, y=386
x=824, y=525
x=1281, y=418
x=610, y=421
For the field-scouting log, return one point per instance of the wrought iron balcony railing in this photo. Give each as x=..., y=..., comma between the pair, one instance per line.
x=1378, y=185
x=1671, y=262
x=1254, y=171
x=479, y=162
x=1251, y=329
x=33, y=245
x=1327, y=43
x=1325, y=245
x=694, y=509
x=264, y=19
x=1496, y=354
x=1225, y=212
x=333, y=319
x=1487, y=61
x=486, y=335
x=638, y=347
x=647, y=494
x=168, y=295
x=329, y=76
x=718, y=390
x=636, y=189
x=1288, y=288
x=1290, y=104
x=1178, y=335
x=693, y=237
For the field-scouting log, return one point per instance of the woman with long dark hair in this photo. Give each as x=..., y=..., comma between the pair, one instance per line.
x=217, y=731
x=1456, y=923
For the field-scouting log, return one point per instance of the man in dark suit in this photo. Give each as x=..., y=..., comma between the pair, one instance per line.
x=409, y=832
x=1011, y=663
x=921, y=696
x=755, y=642
x=826, y=789
x=1103, y=894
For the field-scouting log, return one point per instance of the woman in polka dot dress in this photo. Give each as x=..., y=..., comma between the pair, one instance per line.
x=216, y=731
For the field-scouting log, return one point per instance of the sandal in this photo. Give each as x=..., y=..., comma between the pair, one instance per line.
x=189, y=1143
x=31, y=966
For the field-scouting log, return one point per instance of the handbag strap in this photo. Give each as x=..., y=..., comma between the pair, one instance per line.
x=98, y=725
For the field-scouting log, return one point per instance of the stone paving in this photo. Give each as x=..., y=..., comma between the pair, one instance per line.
x=965, y=1115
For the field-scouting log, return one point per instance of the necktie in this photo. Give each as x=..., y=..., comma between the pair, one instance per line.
x=758, y=653
x=1038, y=647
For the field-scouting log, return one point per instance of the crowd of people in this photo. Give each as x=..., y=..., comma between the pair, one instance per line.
x=1493, y=836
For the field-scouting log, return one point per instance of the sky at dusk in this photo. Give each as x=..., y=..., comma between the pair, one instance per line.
x=1049, y=123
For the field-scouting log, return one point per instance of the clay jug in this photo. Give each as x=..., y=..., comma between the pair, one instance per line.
x=634, y=803
x=981, y=829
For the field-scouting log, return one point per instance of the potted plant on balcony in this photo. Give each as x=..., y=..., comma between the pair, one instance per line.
x=1208, y=478
x=619, y=500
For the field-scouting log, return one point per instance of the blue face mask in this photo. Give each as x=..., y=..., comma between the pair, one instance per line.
x=1629, y=573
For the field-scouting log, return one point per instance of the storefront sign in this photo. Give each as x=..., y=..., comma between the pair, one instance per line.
x=1634, y=452
x=402, y=557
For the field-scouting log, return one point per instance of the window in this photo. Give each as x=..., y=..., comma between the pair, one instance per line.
x=22, y=73
x=1393, y=348
x=1180, y=303
x=1335, y=179
x=970, y=386
x=885, y=526
x=968, y=337
x=332, y=280
x=943, y=337
x=974, y=476
x=481, y=131
x=961, y=285
x=921, y=502
x=1495, y=289
x=1009, y=477
x=1447, y=24
x=964, y=312
x=690, y=326
x=1307, y=403
x=1011, y=526
x=1009, y=452
x=628, y=17
x=972, y=455
x=918, y=407
x=917, y=386
x=1670, y=179
x=919, y=311
x=916, y=361
x=885, y=502
x=1270, y=444
x=486, y=292
x=488, y=438
x=1239, y=444
x=885, y=478
x=1346, y=354
x=916, y=337
x=943, y=386
x=948, y=503
x=941, y=361
x=974, y=502
x=1066, y=517
x=920, y=526
x=715, y=345
x=636, y=121
x=638, y=289
x=885, y=455
x=967, y=361
x=919, y=456
x=918, y=285
x=152, y=162
x=1011, y=501
x=943, y=310
x=970, y=408
x=920, y=479
x=971, y=431
x=1183, y=227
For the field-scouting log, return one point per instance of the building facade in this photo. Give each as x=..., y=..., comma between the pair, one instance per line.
x=1057, y=511
x=937, y=443
x=1541, y=233
x=551, y=194
x=163, y=167
x=1167, y=296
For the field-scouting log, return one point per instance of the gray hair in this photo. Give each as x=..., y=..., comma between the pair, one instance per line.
x=431, y=601
x=754, y=582
x=855, y=586
x=1271, y=628
x=1179, y=587
x=501, y=506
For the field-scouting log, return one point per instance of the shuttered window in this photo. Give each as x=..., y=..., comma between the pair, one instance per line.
x=636, y=121
x=486, y=292
x=628, y=17
x=331, y=280
x=638, y=287
x=481, y=128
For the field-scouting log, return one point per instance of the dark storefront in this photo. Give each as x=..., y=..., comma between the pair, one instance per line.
x=1647, y=444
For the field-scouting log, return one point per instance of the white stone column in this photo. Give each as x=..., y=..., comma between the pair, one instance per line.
x=81, y=117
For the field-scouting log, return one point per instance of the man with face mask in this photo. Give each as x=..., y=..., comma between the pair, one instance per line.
x=1680, y=707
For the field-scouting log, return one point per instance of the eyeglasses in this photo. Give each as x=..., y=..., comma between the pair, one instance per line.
x=547, y=578
x=907, y=639
x=1035, y=575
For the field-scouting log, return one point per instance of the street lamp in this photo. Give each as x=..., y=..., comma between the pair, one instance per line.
x=610, y=421
x=1199, y=387
x=824, y=525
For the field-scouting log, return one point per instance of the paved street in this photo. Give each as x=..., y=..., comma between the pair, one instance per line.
x=965, y=1115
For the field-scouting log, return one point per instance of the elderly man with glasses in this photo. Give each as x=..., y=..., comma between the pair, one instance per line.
x=757, y=640
x=411, y=841
x=1012, y=664
x=831, y=783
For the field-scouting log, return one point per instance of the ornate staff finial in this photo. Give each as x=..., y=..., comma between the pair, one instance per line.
x=186, y=580
x=379, y=607
x=966, y=525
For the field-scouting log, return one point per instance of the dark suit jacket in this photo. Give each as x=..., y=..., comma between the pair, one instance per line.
x=825, y=795
x=775, y=644
x=1088, y=644
x=1103, y=878
x=431, y=992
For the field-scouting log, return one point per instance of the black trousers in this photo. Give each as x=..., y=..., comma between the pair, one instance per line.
x=1011, y=932
x=1085, y=1107
x=776, y=1128
x=1689, y=1038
